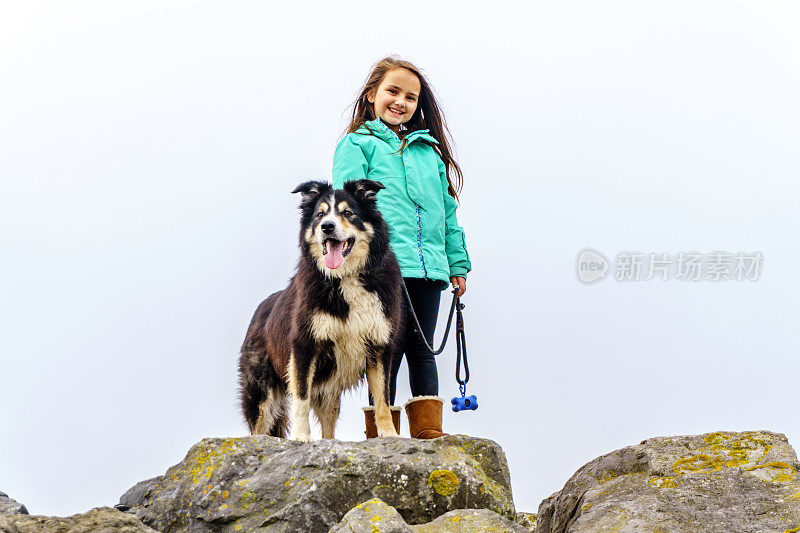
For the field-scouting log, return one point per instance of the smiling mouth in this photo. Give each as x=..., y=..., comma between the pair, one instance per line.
x=334, y=252
x=396, y=112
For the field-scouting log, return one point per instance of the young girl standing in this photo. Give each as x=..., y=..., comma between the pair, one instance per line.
x=396, y=136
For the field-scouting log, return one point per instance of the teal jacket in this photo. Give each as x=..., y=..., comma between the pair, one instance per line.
x=420, y=213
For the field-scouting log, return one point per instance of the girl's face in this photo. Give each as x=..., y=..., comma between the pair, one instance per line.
x=396, y=97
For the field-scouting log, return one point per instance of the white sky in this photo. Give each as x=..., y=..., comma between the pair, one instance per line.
x=147, y=151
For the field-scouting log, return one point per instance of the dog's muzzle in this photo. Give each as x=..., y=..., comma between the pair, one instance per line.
x=334, y=246
x=334, y=251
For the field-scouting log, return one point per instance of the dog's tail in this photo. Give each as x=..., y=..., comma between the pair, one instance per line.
x=264, y=402
x=263, y=392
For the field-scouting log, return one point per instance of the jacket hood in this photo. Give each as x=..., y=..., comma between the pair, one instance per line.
x=383, y=131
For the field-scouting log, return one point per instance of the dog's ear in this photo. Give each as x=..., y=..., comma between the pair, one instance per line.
x=311, y=190
x=364, y=190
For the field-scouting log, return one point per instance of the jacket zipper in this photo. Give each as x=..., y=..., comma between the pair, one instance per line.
x=403, y=144
x=419, y=220
x=419, y=243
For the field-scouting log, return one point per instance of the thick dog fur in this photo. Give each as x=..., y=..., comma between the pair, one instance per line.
x=331, y=326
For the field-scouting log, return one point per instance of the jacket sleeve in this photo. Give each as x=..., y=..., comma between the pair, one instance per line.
x=455, y=243
x=349, y=162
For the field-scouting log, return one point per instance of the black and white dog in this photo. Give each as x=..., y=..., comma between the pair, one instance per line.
x=341, y=318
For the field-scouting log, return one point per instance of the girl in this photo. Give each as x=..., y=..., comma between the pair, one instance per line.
x=396, y=136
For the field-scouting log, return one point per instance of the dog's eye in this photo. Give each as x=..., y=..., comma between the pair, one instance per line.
x=348, y=213
x=320, y=214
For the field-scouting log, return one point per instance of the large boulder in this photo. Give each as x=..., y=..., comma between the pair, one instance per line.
x=240, y=484
x=716, y=482
x=100, y=520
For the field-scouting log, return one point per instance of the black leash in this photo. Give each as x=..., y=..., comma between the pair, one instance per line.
x=461, y=340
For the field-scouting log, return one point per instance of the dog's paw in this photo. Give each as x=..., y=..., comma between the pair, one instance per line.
x=301, y=437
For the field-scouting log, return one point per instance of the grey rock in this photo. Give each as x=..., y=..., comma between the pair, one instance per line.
x=372, y=515
x=527, y=520
x=136, y=495
x=470, y=521
x=7, y=505
x=376, y=515
x=716, y=482
x=281, y=485
x=100, y=520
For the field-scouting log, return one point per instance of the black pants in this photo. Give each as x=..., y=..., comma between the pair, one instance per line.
x=422, y=376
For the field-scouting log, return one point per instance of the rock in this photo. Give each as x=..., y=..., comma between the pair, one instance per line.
x=7, y=505
x=372, y=515
x=6, y=526
x=470, y=521
x=282, y=485
x=377, y=515
x=716, y=482
x=100, y=520
x=527, y=520
x=135, y=495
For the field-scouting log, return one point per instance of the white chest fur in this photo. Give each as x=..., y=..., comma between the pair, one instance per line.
x=365, y=321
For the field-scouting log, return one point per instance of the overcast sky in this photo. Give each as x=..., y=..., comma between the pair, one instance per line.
x=148, y=151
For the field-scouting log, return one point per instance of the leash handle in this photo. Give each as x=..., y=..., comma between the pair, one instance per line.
x=419, y=328
x=461, y=349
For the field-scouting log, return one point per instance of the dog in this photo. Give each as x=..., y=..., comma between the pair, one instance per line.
x=341, y=318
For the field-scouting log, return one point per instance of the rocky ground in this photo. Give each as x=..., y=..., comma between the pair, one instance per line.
x=716, y=482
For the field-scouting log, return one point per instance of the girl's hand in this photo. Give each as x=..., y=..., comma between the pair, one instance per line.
x=459, y=282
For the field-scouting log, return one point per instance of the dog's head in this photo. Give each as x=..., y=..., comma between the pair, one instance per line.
x=341, y=229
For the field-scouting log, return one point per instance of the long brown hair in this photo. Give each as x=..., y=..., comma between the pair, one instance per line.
x=426, y=116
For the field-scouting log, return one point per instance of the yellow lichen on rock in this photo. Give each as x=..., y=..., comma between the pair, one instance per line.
x=737, y=445
x=785, y=472
x=202, y=473
x=663, y=482
x=246, y=499
x=443, y=482
x=606, y=476
x=698, y=463
x=205, y=456
x=724, y=451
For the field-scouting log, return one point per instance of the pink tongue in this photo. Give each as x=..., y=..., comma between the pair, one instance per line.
x=333, y=259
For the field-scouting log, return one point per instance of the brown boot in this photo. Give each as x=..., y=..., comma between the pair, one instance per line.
x=425, y=417
x=369, y=418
